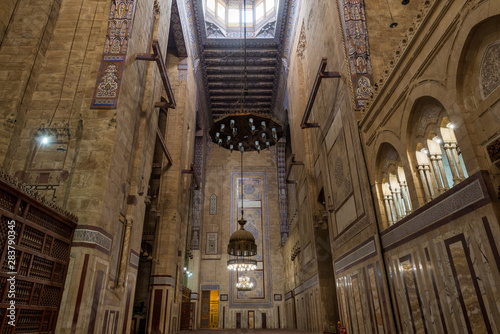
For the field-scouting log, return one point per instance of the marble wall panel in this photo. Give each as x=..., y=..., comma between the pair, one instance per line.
x=375, y=299
x=413, y=299
x=446, y=281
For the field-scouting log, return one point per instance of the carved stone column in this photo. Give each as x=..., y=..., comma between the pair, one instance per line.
x=437, y=174
x=456, y=159
x=451, y=161
x=393, y=210
x=429, y=181
x=397, y=204
x=423, y=180
x=388, y=211
x=406, y=196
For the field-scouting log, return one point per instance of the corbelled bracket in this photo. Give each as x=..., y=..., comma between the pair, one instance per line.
x=322, y=74
x=293, y=163
x=192, y=172
x=158, y=58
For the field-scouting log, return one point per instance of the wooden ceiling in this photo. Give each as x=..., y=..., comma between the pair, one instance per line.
x=224, y=68
x=222, y=62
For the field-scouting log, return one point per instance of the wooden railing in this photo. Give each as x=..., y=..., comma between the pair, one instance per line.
x=36, y=254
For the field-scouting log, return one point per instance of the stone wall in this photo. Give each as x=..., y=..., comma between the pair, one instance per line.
x=98, y=161
x=261, y=208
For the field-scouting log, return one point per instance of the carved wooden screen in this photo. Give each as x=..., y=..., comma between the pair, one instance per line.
x=41, y=245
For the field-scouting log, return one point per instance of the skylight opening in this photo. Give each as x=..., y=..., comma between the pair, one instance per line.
x=269, y=5
x=221, y=11
x=211, y=5
x=259, y=11
x=234, y=17
x=249, y=17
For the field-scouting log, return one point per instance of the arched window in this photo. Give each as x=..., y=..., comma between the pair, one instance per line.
x=393, y=185
x=439, y=162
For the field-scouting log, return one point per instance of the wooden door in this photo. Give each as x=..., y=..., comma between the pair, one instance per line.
x=251, y=319
x=264, y=321
x=238, y=320
x=205, y=309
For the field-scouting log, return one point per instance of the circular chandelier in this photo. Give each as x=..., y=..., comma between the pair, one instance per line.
x=241, y=264
x=246, y=131
x=244, y=284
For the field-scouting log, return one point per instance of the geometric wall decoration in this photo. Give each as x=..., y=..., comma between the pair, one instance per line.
x=254, y=189
x=282, y=195
x=340, y=174
x=490, y=67
x=109, y=77
x=493, y=150
x=197, y=195
x=213, y=204
x=352, y=14
x=211, y=243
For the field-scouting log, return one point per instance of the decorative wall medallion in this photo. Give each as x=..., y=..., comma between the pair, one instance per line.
x=110, y=72
x=490, y=69
x=211, y=243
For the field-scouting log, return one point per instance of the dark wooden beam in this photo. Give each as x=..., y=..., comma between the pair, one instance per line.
x=192, y=172
x=317, y=82
x=157, y=56
x=159, y=136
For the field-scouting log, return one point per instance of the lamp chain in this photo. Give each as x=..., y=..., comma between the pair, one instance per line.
x=241, y=178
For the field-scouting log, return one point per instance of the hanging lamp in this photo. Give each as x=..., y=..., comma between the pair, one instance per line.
x=244, y=284
x=242, y=243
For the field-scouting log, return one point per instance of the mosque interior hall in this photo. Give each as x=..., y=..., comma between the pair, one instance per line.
x=305, y=166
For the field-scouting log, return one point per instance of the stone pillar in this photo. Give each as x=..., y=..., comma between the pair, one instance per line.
x=397, y=204
x=388, y=211
x=393, y=210
x=451, y=161
x=437, y=174
x=406, y=196
x=429, y=181
x=424, y=183
x=443, y=172
x=454, y=153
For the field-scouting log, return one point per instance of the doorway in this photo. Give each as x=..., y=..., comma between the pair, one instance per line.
x=214, y=309
x=251, y=319
x=238, y=320
x=210, y=309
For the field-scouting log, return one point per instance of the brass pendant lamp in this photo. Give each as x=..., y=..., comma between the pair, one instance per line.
x=242, y=243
